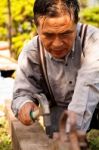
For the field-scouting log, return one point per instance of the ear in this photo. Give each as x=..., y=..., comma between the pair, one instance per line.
x=37, y=30
x=35, y=27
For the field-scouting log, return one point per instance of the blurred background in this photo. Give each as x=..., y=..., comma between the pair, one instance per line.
x=16, y=29
x=16, y=21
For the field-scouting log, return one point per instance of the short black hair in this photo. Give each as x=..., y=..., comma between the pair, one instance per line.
x=49, y=8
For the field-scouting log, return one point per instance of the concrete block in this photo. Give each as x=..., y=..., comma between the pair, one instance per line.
x=26, y=137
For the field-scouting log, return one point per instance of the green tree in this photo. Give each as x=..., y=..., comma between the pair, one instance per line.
x=3, y=20
x=22, y=22
x=90, y=16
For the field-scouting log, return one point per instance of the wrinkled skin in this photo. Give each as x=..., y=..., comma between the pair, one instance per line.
x=24, y=113
x=57, y=34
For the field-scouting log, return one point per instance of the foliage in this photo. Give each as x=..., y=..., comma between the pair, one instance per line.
x=22, y=23
x=3, y=20
x=91, y=16
x=18, y=42
x=93, y=137
x=5, y=140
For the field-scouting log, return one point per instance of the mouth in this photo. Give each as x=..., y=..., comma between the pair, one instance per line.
x=58, y=50
x=59, y=53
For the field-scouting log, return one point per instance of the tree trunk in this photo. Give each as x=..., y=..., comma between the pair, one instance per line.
x=10, y=26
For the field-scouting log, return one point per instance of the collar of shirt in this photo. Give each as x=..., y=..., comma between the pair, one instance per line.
x=48, y=55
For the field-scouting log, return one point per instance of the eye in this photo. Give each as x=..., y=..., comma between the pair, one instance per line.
x=67, y=33
x=48, y=35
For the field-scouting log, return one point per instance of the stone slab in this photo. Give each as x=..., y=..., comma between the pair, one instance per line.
x=26, y=137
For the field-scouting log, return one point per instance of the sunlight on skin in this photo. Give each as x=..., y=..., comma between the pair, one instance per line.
x=57, y=34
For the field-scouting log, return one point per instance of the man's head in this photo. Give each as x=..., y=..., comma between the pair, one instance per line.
x=56, y=24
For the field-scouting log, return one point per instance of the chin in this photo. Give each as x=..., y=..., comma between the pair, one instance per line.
x=59, y=56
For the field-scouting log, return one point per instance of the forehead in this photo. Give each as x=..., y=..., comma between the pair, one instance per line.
x=56, y=24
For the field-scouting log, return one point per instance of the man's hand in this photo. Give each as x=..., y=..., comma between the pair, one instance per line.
x=24, y=113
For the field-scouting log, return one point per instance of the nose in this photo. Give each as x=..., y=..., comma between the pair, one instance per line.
x=57, y=42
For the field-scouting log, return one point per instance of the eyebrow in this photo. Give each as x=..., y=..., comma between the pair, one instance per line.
x=65, y=32
x=68, y=31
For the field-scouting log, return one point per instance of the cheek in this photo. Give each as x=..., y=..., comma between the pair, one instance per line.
x=46, y=42
x=69, y=41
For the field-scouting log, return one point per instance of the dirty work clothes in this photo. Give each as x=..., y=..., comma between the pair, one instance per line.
x=61, y=73
x=74, y=80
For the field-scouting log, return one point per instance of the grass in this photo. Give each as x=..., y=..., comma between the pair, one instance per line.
x=93, y=138
x=5, y=140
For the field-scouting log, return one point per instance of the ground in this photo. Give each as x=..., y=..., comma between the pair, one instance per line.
x=5, y=139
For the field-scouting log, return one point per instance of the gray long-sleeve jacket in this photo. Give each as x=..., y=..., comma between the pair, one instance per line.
x=74, y=80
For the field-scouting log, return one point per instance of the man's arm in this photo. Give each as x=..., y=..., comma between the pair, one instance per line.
x=86, y=93
x=27, y=85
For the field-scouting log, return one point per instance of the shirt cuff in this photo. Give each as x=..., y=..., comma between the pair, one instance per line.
x=25, y=103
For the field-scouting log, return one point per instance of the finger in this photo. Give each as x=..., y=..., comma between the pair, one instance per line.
x=24, y=114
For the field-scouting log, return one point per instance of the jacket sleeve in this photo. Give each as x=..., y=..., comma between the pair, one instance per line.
x=28, y=78
x=86, y=93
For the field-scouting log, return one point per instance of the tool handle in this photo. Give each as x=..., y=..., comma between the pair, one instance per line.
x=34, y=114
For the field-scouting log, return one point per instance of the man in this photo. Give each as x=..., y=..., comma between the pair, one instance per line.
x=73, y=71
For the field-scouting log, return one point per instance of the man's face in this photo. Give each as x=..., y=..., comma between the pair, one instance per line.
x=57, y=34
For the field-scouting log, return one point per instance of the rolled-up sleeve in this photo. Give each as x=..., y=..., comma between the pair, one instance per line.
x=86, y=93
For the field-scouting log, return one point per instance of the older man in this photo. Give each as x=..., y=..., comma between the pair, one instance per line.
x=70, y=65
